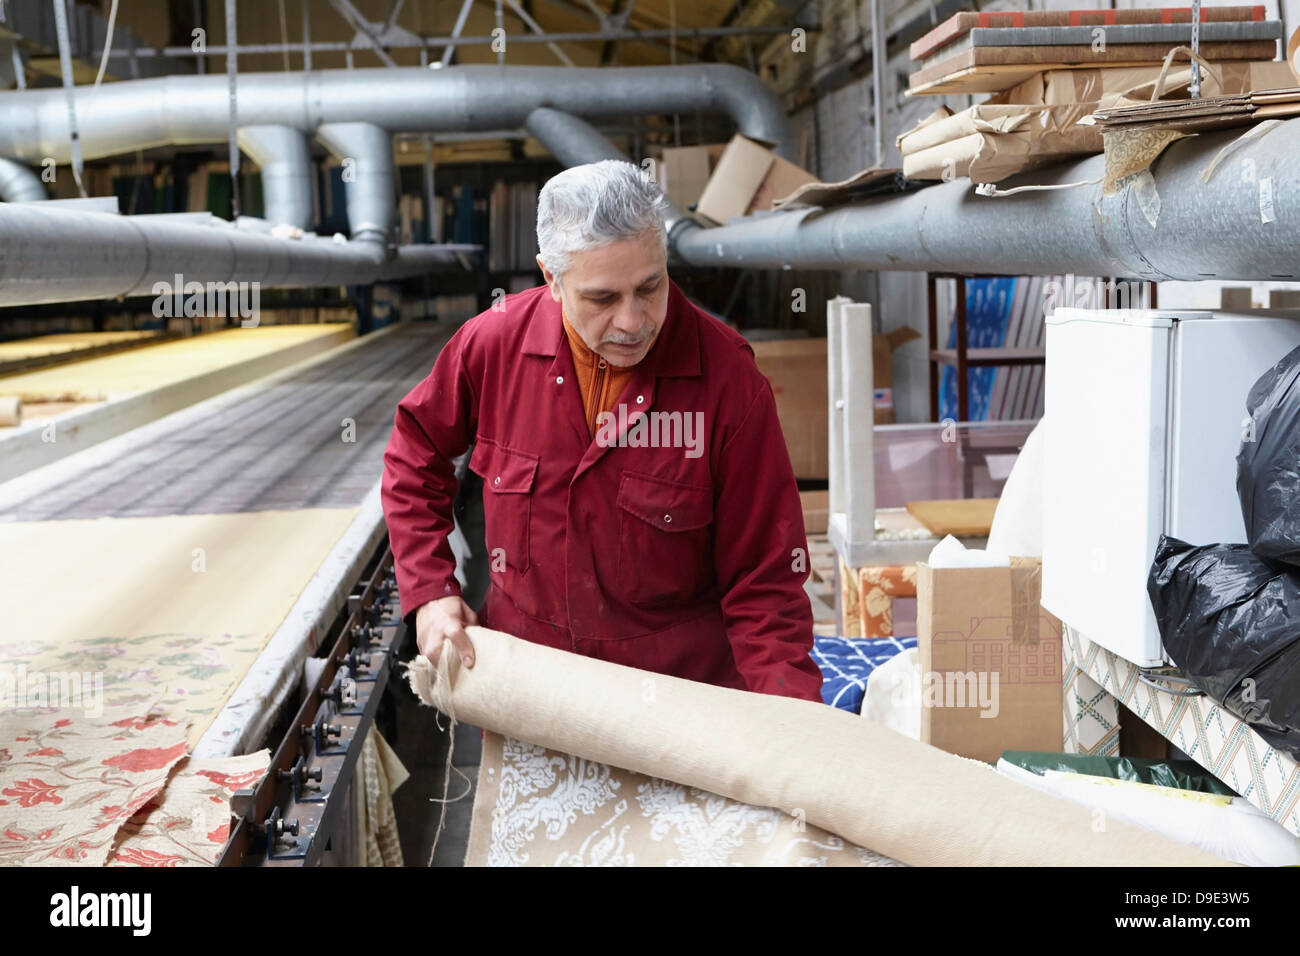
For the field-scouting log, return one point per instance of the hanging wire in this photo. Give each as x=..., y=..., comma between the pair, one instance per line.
x=284, y=37
x=672, y=59
x=232, y=70
x=65, y=66
x=1195, y=90
x=108, y=44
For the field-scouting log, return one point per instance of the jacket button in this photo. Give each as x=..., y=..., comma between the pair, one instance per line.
x=496, y=480
x=640, y=399
x=601, y=364
x=668, y=519
x=559, y=380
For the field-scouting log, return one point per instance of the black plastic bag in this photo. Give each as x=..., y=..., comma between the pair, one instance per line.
x=1232, y=623
x=1268, y=464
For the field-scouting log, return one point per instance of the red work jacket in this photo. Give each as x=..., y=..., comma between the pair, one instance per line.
x=686, y=557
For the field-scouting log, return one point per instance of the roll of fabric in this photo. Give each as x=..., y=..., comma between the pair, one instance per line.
x=871, y=786
x=11, y=410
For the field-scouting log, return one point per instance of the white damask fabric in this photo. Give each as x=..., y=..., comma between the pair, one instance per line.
x=536, y=807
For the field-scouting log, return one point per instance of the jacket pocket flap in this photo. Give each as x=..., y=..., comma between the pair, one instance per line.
x=666, y=505
x=503, y=470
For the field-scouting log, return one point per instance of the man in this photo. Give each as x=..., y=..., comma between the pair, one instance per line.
x=639, y=502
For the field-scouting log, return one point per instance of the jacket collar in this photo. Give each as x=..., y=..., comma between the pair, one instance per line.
x=675, y=353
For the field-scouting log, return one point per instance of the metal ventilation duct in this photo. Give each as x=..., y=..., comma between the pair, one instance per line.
x=19, y=184
x=1242, y=222
x=574, y=141
x=192, y=110
x=50, y=252
x=354, y=113
x=281, y=153
x=366, y=152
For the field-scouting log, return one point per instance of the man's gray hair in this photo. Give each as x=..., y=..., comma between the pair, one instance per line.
x=595, y=204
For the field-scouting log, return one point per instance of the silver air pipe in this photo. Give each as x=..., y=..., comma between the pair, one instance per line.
x=192, y=110
x=366, y=151
x=1240, y=221
x=53, y=253
x=574, y=142
x=281, y=153
x=19, y=184
x=349, y=109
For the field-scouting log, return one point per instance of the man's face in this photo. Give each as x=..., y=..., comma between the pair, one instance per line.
x=616, y=296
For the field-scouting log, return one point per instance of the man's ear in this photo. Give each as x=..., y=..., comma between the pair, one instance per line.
x=552, y=283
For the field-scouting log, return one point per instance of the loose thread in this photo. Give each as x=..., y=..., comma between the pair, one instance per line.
x=441, y=677
x=424, y=677
x=446, y=780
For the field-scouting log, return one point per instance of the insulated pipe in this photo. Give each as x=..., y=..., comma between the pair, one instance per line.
x=192, y=110
x=574, y=142
x=366, y=151
x=19, y=184
x=52, y=254
x=1242, y=223
x=571, y=140
x=282, y=155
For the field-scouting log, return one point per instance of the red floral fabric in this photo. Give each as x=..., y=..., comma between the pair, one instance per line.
x=68, y=782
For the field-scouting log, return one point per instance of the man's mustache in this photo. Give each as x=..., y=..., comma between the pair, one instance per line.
x=622, y=338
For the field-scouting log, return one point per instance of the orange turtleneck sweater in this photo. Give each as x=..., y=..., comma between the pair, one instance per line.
x=599, y=383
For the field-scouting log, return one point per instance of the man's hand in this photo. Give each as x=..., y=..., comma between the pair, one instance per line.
x=441, y=621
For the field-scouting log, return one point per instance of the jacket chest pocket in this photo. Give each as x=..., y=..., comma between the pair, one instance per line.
x=665, y=539
x=508, y=480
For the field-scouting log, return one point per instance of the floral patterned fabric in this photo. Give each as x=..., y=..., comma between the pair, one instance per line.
x=178, y=638
x=189, y=822
x=536, y=807
x=68, y=782
x=877, y=588
x=193, y=672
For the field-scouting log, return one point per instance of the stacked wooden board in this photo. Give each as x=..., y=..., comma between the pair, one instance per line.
x=989, y=52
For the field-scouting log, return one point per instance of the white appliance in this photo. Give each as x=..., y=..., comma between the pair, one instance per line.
x=1145, y=412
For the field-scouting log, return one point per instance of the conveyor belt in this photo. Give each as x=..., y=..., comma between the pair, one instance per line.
x=279, y=447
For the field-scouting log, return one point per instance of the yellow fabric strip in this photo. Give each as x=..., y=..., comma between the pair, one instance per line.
x=139, y=370
x=61, y=342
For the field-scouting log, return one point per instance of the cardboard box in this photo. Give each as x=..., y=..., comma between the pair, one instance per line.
x=796, y=368
x=747, y=178
x=816, y=511
x=684, y=171
x=990, y=660
x=882, y=369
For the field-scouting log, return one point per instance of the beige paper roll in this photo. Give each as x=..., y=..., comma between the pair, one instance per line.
x=876, y=788
x=1291, y=58
x=11, y=410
